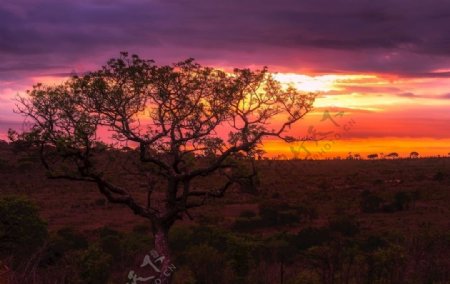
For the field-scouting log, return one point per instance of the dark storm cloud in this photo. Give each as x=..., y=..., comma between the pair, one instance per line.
x=393, y=36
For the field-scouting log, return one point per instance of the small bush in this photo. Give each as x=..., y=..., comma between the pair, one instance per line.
x=135, y=242
x=22, y=231
x=345, y=225
x=439, y=176
x=370, y=203
x=310, y=237
x=305, y=276
x=206, y=263
x=73, y=239
x=107, y=231
x=212, y=236
x=95, y=265
x=278, y=213
x=245, y=224
x=402, y=200
x=180, y=238
x=372, y=243
x=386, y=265
x=64, y=241
x=113, y=246
x=210, y=218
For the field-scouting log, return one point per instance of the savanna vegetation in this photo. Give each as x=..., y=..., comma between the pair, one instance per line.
x=338, y=221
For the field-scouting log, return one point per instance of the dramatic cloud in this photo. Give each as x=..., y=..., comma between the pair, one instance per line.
x=401, y=36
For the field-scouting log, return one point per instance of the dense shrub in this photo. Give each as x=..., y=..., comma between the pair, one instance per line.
x=372, y=243
x=305, y=276
x=345, y=225
x=113, y=245
x=73, y=240
x=370, y=203
x=95, y=265
x=180, y=238
x=385, y=265
x=207, y=264
x=22, y=231
x=439, y=176
x=245, y=224
x=402, y=200
x=276, y=213
x=310, y=237
x=64, y=241
x=212, y=236
x=239, y=255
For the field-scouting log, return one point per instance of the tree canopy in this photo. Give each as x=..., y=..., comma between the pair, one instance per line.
x=186, y=122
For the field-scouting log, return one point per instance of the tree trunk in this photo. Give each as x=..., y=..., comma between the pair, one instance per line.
x=167, y=268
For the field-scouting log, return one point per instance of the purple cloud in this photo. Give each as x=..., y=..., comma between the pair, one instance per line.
x=384, y=36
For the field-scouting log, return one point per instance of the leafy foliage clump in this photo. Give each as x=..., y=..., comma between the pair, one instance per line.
x=22, y=231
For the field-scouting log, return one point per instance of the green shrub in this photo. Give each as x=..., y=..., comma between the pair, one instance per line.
x=238, y=254
x=206, y=263
x=95, y=265
x=73, y=239
x=372, y=243
x=370, y=203
x=135, y=242
x=112, y=245
x=22, y=231
x=212, y=236
x=180, y=238
x=310, y=237
x=305, y=276
x=439, y=176
x=210, y=218
x=245, y=224
x=24, y=165
x=184, y=276
x=279, y=213
x=107, y=231
x=64, y=241
x=346, y=225
x=386, y=265
x=402, y=200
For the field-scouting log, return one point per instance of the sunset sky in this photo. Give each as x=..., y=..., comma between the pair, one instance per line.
x=383, y=66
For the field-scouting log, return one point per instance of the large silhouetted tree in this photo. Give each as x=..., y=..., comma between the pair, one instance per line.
x=187, y=123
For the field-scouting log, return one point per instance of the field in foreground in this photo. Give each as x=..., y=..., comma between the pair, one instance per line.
x=383, y=221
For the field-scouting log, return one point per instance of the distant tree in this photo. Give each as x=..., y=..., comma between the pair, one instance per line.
x=392, y=155
x=357, y=157
x=414, y=155
x=372, y=156
x=188, y=122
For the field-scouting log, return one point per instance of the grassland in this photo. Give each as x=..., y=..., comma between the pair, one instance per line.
x=335, y=221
